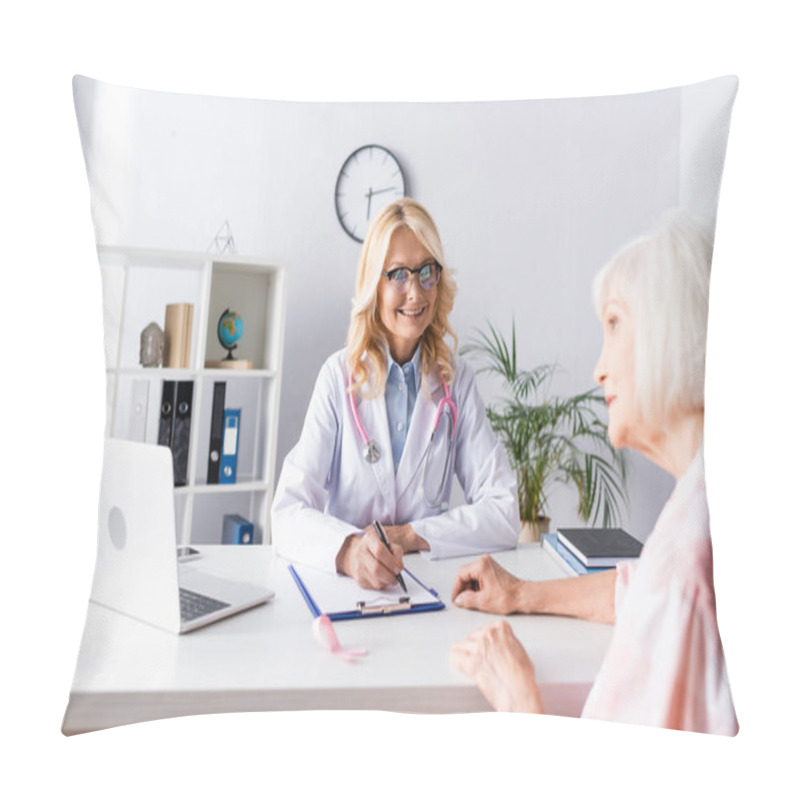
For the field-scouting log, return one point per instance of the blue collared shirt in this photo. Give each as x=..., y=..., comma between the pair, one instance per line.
x=402, y=385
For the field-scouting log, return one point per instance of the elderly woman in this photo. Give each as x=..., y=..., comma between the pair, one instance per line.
x=665, y=665
x=392, y=418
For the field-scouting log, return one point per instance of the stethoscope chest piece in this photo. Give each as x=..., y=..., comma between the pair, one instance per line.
x=371, y=452
x=447, y=408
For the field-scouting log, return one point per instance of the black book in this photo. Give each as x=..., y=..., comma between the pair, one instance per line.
x=600, y=547
x=217, y=430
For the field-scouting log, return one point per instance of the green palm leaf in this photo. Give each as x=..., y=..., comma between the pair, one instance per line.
x=550, y=439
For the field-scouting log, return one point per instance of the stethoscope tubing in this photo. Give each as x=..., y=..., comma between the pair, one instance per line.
x=371, y=450
x=446, y=401
x=356, y=416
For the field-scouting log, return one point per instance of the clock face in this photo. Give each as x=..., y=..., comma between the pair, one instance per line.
x=369, y=180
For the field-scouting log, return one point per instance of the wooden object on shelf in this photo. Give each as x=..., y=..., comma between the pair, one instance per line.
x=178, y=320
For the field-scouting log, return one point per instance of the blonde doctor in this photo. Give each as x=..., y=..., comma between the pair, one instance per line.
x=393, y=417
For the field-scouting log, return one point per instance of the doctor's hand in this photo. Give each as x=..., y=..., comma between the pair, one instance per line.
x=497, y=662
x=367, y=559
x=406, y=537
x=485, y=586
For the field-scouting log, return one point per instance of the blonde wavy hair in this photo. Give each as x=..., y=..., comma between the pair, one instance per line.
x=366, y=338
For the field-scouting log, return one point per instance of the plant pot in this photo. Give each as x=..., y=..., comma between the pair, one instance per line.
x=532, y=531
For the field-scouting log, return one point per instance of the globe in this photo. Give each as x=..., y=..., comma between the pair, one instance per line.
x=229, y=330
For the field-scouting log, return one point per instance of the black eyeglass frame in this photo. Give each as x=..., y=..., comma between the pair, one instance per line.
x=414, y=271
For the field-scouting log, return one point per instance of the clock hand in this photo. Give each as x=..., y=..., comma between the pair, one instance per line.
x=387, y=189
x=369, y=201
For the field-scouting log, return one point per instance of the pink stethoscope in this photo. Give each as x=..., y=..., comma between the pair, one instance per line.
x=446, y=409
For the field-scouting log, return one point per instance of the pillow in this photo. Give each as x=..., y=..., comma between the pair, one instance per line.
x=207, y=205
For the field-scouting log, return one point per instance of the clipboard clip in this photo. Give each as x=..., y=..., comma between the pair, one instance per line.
x=403, y=604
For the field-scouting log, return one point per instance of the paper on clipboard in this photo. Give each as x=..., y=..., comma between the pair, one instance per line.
x=339, y=596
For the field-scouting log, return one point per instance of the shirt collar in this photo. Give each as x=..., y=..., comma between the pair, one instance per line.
x=416, y=359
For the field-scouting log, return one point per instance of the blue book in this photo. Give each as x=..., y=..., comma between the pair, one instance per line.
x=551, y=544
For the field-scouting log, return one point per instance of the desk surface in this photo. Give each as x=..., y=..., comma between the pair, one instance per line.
x=266, y=659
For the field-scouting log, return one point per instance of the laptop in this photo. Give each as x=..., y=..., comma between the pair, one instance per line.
x=137, y=570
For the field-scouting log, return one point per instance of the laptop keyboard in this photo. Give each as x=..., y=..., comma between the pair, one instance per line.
x=194, y=605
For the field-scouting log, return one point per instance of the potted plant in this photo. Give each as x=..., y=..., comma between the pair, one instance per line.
x=550, y=439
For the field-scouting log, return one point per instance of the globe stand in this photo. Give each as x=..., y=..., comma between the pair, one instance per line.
x=229, y=363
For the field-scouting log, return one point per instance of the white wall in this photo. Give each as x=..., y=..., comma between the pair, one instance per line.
x=530, y=198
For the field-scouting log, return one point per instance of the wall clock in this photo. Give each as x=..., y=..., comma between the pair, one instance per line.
x=369, y=179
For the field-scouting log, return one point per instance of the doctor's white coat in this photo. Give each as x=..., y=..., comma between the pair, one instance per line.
x=327, y=490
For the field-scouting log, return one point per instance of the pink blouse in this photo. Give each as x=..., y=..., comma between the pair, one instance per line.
x=665, y=664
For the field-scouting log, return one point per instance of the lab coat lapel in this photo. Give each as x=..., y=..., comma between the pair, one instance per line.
x=373, y=416
x=419, y=432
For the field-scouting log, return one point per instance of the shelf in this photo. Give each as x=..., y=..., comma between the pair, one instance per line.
x=238, y=373
x=223, y=488
x=169, y=374
x=138, y=284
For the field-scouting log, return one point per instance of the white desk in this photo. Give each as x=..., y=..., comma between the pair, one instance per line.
x=266, y=659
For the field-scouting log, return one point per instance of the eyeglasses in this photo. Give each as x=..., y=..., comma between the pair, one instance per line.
x=400, y=277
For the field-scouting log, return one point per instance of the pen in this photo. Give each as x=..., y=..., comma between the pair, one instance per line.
x=378, y=527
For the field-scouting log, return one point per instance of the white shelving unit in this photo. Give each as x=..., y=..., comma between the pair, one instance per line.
x=137, y=286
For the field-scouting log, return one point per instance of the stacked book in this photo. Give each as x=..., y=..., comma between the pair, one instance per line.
x=582, y=551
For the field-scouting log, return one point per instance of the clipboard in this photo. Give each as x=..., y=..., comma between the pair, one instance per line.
x=340, y=597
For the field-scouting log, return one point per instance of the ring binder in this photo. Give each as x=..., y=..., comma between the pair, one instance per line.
x=215, y=437
x=175, y=425
x=230, y=446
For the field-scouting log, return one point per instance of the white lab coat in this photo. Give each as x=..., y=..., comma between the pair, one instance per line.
x=327, y=490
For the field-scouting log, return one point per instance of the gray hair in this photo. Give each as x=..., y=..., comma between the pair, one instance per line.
x=663, y=278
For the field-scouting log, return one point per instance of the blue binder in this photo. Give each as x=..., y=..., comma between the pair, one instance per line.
x=230, y=446
x=420, y=597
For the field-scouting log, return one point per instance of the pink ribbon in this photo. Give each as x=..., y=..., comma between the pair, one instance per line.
x=326, y=636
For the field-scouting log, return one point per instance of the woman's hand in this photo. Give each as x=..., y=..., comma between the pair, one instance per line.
x=497, y=662
x=366, y=558
x=485, y=586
